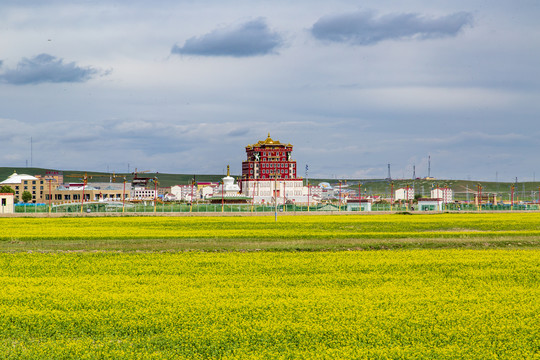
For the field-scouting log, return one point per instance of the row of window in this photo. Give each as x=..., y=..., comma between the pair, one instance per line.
x=269, y=165
x=78, y=196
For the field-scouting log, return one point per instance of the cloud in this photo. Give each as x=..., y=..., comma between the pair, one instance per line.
x=249, y=39
x=365, y=28
x=45, y=68
x=238, y=132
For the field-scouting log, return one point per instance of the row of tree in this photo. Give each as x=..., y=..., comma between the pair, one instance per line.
x=26, y=196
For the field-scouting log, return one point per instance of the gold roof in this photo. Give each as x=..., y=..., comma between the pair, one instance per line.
x=268, y=141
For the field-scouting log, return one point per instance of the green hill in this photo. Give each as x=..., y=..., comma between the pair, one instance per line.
x=77, y=175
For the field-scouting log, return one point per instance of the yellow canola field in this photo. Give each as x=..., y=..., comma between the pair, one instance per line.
x=287, y=227
x=424, y=304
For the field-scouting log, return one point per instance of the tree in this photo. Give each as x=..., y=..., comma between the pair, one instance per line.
x=6, y=189
x=26, y=196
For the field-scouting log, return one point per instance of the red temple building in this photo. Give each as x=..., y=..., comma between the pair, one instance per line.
x=267, y=158
x=269, y=173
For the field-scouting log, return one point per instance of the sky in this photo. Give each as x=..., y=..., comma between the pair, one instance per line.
x=183, y=86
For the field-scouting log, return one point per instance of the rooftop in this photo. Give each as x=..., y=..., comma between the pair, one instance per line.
x=268, y=142
x=18, y=179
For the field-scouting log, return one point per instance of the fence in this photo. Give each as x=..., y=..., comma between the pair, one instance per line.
x=130, y=208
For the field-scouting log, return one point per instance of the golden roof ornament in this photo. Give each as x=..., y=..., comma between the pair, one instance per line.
x=268, y=141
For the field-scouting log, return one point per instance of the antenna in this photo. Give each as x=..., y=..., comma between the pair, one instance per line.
x=429, y=166
x=414, y=172
x=389, y=177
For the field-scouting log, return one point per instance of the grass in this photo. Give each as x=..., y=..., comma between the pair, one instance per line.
x=306, y=233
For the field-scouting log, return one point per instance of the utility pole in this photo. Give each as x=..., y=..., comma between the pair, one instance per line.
x=124, y=196
x=307, y=184
x=512, y=197
x=391, y=195
x=275, y=192
x=339, y=208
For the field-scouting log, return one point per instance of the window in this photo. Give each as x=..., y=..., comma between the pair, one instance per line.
x=4, y=202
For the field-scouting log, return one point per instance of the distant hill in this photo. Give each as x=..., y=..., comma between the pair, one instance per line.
x=77, y=175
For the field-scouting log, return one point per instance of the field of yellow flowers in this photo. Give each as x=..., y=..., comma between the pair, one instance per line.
x=294, y=232
x=420, y=304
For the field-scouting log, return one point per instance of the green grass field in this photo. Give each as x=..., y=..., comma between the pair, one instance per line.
x=447, y=286
x=319, y=232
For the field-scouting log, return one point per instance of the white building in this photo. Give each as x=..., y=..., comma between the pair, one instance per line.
x=7, y=205
x=430, y=204
x=140, y=193
x=359, y=205
x=445, y=194
x=207, y=191
x=404, y=194
x=286, y=191
x=23, y=182
x=185, y=192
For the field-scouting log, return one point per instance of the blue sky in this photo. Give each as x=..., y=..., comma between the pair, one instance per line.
x=184, y=86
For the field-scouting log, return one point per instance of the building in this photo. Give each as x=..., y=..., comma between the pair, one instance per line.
x=7, y=204
x=23, y=182
x=163, y=190
x=37, y=185
x=74, y=192
x=140, y=193
x=406, y=193
x=433, y=204
x=269, y=158
x=359, y=204
x=445, y=194
x=269, y=174
x=185, y=192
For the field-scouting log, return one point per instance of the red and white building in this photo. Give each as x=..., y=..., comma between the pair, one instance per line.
x=406, y=193
x=269, y=174
x=445, y=194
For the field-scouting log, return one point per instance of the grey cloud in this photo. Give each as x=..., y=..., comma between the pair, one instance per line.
x=366, y=28
x=249, y=39
x=45, y=68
